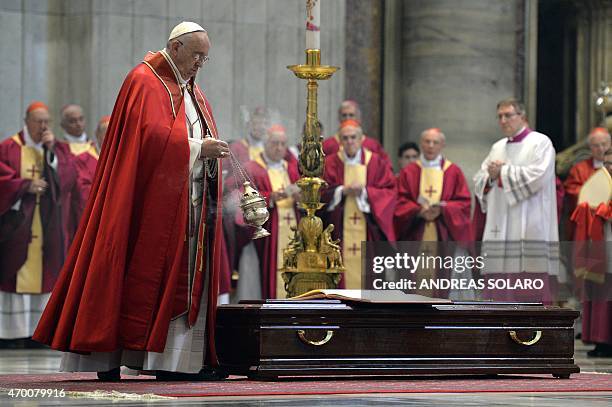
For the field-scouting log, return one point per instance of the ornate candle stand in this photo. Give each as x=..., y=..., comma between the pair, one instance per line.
x=312, y=260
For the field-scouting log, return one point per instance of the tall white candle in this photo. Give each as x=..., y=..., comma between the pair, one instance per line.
x=313, y=24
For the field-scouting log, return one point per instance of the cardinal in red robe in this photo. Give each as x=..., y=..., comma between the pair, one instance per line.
x=37, y=181
x=592, y=270
x=245, y=150
x=599, y=143
x=274, y=177
x=433, y=196
x=84, y=151
x=140, y=284
x=349, y=110
x=360, y=198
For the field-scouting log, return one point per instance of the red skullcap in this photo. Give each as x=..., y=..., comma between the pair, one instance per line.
x=104, y=119
x=276, y=127
x=37, y=105
x=599, y=129
x=350, y=123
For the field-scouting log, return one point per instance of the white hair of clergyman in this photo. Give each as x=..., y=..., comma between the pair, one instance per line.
x=597, y=130
x=437, y=130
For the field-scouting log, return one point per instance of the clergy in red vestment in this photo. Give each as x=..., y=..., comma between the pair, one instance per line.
x=433, y=205
x=433, y=196
x=37, y=180
x=360, y=197
x=274, y=178
x=599, y=143
x=84, y=151
x=139, y=287
x=594, y=224
x=349, y=110
x=101, y=131
x=251, y=146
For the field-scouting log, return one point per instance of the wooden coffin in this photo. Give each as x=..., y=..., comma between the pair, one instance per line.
x=272, y=338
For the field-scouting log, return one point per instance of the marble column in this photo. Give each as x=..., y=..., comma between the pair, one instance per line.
x=363, y=61
x=459, y=58
x=593, y=60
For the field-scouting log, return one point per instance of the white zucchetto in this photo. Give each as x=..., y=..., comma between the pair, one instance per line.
x=185, y=27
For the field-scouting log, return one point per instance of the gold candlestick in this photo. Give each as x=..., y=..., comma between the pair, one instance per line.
x=312, y=260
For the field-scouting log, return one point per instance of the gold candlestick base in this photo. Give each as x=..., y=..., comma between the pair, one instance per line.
x=312, y=259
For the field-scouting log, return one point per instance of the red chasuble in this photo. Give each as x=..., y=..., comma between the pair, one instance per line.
x=597, y=310
x=267, y=248
x=331, y=145
x=454, y=220
x=234, y=236
x=86, y=159
x=126, y=273
x=381, y=190
x=577, y=176
x=47, y=214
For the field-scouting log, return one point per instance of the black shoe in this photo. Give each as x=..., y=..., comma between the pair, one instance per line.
x=601, y=351
x=113, y=375
x=207, y=374
x=29, y=343
x=211, y=374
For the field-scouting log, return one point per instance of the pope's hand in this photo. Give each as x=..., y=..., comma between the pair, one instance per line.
x=213, y=148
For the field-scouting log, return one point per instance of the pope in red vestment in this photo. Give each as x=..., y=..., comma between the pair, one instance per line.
x=37, y=181
x=131, y=273
x=360, y=198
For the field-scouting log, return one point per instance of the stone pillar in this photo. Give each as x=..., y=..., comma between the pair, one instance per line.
x=363, y=61
x=593, y=60
x=459, y=58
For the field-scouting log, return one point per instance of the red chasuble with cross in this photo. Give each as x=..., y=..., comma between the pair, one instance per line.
x=126, y=274
x=452, y=194
x=282, y=215
x=346, y=217
x=32, y=251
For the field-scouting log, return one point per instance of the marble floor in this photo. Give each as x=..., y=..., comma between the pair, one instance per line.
x=46, y=361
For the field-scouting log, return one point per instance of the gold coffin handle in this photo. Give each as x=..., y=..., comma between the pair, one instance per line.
x=536, y=338
x=302, y=335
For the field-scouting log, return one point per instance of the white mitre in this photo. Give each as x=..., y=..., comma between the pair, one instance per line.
x=183, y=28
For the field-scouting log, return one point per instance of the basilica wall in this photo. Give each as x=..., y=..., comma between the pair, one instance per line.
x=79, y=51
